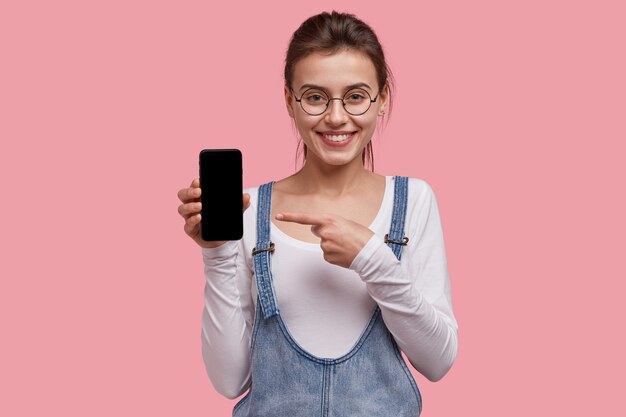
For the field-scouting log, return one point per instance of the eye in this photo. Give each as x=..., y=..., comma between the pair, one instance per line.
x=315, y=97
x=356, y=96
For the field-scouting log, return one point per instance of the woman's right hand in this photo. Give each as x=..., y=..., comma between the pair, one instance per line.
x=190, y=211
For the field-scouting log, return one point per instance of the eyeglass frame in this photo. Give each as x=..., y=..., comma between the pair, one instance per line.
x=343, y=104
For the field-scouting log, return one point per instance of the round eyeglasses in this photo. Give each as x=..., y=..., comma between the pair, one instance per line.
x=315, y=101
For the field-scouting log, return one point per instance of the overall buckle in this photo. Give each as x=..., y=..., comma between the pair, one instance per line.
x=256, y=251
x=404, y=241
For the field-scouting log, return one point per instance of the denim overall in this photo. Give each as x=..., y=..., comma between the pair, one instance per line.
x=370, y=380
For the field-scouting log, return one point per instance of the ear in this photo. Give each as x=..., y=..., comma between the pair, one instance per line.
x=289, y=101
x=384, y=100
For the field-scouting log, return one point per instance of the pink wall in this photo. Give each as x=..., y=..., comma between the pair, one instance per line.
x=514, y=112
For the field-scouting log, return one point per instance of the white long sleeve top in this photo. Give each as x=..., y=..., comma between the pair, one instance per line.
x=326, y=307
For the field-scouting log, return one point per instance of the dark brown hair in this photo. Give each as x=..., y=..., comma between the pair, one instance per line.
x=330, y=33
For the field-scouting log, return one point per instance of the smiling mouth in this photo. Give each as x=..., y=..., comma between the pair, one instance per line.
x=337, y=138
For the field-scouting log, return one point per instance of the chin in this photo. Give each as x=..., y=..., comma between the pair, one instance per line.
x=339, y=160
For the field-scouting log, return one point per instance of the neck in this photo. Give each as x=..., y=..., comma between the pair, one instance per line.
x=331, y=180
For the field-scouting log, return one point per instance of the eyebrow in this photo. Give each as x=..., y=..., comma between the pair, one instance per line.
x=350, y=87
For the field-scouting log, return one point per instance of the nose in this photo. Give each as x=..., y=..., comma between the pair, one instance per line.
x=336, y=114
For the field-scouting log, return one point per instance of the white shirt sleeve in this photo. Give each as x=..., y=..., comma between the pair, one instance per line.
x=227, y=317
x=414, y=295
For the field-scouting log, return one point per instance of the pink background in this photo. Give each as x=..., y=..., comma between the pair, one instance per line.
x=513, y=111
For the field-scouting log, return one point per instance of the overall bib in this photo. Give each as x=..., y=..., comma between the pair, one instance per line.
x=370, y=380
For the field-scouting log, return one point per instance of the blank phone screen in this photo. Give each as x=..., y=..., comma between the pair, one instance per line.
x=222, y=188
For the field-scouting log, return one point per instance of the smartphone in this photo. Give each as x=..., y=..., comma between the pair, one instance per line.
x=221, y=181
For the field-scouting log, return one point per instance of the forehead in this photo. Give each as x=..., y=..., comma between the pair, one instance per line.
x=335, y=71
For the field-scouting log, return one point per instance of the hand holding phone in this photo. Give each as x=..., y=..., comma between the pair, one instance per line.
x=190, y=210
x=192, y=198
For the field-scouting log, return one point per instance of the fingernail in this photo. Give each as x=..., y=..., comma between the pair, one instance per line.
x=279, y=216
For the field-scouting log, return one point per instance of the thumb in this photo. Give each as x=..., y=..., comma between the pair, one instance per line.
x=246, y=201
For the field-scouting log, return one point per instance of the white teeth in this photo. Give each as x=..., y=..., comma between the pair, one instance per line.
x=337, y=138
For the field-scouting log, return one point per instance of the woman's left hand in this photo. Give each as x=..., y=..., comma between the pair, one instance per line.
x=342, y=239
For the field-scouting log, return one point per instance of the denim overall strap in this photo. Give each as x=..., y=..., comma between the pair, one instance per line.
x=396, y=239
x=261, y=253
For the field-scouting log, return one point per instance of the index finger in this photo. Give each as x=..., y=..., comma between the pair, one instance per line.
x=303, y=218
x=188, y=194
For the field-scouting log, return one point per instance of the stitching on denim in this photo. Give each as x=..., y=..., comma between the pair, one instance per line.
x=326, y=389
x=256, y=324
x=262, y=260
x=332, y=361
x=398, y=216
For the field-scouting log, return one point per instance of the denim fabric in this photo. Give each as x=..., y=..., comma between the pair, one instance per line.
x=262, y=261
x=396, y=231
x=372, y=379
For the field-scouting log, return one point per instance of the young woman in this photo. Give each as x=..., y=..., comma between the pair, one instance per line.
x=339, y=268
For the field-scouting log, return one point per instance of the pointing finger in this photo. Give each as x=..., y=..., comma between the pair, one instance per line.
x=302, y=218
